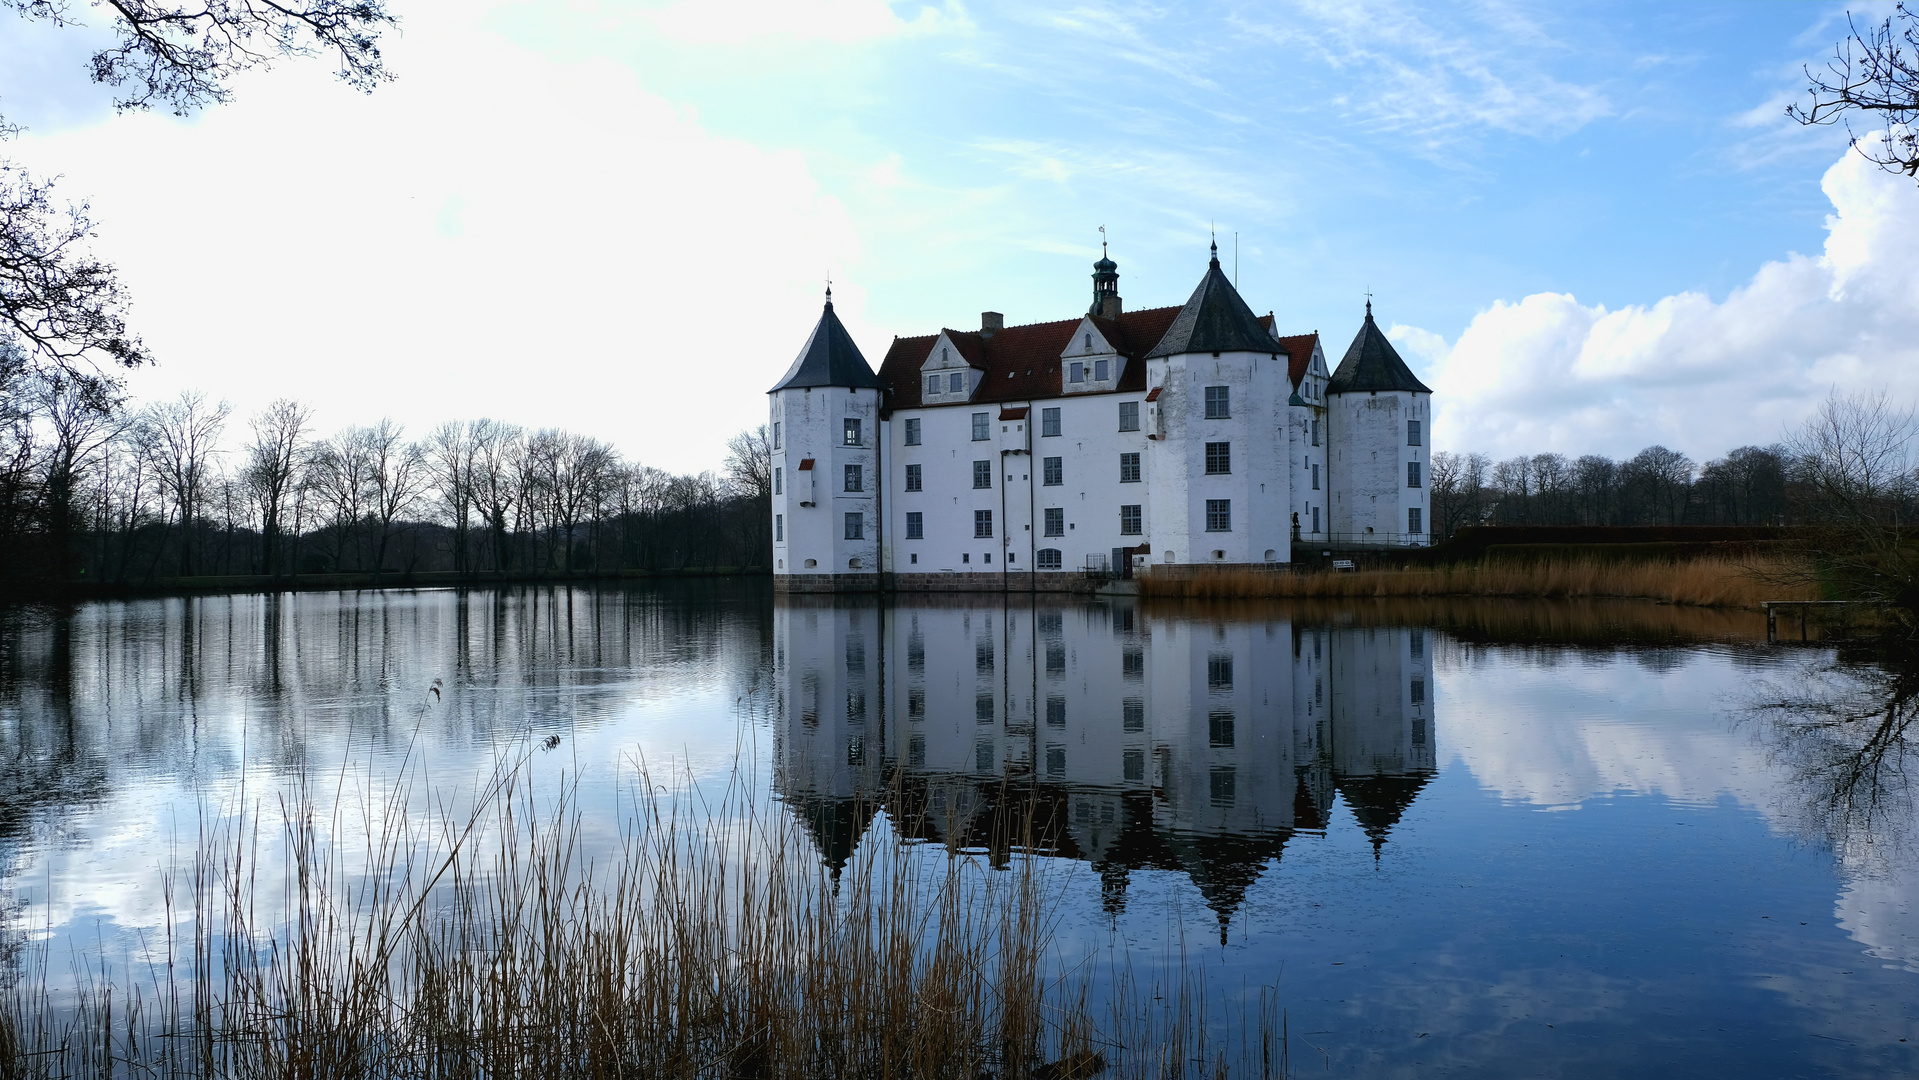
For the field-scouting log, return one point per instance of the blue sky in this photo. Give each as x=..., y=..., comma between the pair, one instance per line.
x=1587, y=225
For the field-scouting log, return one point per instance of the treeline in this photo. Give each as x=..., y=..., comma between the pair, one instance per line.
x=94, y=490
x=1753, y=485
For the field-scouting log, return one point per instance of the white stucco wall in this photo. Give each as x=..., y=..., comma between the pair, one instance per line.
x=1368, y=458
x=811, y=426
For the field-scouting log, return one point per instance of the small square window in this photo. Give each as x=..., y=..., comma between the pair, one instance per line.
x=1055, y=521
x=1219, y=402
x=1129, y=468
x=982, y=426
x=982, y=524
x=1132, y=713
x=855, y=526
x=850, y=434
x=1048, y=422
x=913, y=432
x=935, y=383
x=1054, y=470
x=1056, y=761
x=1221, y=784
x=982, y=474
x=1076, y=372
x=1129, y=520
x=956, y=382
x=1133, y=764
x=853, y=478
x=1056, y=711
x=915, y=525
x=1129, y=416
x=1219, y=674
x=1219, y=729
x=1219, y=515
x=913, y=478
x=1219, y=458
x=1100, y=369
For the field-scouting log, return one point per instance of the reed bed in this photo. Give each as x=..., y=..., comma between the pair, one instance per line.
x=1705, y=582
x=708, y=943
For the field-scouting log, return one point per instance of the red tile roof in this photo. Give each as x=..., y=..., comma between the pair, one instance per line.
x=1299, y=353
x=1013, y=414
x=1021, y=363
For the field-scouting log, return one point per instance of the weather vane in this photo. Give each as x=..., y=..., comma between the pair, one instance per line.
x=1102, y=241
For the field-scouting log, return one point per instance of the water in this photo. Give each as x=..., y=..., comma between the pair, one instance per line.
x=1505, y=840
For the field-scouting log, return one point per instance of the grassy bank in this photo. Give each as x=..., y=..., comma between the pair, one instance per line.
x=1707, y=582
x=316, y=941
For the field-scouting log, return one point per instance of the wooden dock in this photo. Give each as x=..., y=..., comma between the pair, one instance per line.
x=1805, y=610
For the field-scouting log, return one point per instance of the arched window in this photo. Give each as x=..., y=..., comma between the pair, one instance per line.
x=1048, y=559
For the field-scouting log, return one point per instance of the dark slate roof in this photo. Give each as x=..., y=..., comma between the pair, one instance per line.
x=1215, y=319
x=1371, y=364
x=830, y=359
x=1378, y=802
x=1022, y=363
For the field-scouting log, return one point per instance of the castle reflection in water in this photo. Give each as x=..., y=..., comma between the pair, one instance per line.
x=1103, y=732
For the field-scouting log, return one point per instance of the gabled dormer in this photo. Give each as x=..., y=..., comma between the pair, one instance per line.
x=1090, y=363
x=948, y=376
x=1307, y=369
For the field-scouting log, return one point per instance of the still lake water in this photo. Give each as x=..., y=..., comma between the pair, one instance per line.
x=1498, y=840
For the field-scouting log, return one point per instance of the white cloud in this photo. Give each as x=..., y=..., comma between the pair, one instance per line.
x=707, y=23
x=495, y=234
x=1701, y=376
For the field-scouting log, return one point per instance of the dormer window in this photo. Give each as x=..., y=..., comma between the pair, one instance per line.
x=943, y=356
x=1076, y=372
x=1089, y=343
x=1099, y=371
x=955, y=382
x=932, y=384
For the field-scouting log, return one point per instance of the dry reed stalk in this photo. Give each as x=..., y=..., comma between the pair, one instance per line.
x=1706, y=582
x=490, y=945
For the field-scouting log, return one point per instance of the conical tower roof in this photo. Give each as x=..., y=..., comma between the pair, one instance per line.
x=1371, y=364
x=1378, y=802
x=830, y=358
x=1215, y=319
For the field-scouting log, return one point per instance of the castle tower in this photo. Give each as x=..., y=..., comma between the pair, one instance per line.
x=1381, y=420
x=1106, y=302
x=1216, y=460
x=825, y=418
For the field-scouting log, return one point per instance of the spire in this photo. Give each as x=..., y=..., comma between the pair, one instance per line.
x=830, y=358
x=1215, y=319
x=829, y=294
x=1106, y=303
x=1371, y=363
x=1215, y=262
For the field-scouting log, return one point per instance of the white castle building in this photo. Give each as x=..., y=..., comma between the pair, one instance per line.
x=1161, y=440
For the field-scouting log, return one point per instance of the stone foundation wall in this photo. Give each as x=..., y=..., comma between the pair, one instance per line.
x=1073, y=582
x=826, y=583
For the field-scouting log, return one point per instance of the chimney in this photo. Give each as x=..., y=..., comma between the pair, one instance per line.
x=990, y=323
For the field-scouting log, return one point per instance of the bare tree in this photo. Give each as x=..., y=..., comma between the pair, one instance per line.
x=185, y=444
x=271, y=471
x=496, y=450
x=396, y=472
x=1854, y=458
x=1875, y=73
x=81, y=416
x=341, y=478
x=749, y=463
x=451, y=455
x=65, y=309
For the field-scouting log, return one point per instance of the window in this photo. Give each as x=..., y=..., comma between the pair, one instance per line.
x=1219, y=515
x=983, y=708
x=1419, y=731
x=934, y=382
x=851, y=432
x=1054, y=470
x=956, y=382
x=1219, y=728
x=916, y=752
x=779, y=526
x=1315, y=431
x=1076, y=372
x=913, y=478
x=1055, y=760
x=1099, y=370
x=1220, y=783
x=776, y=434
x=1315, y=482
x=1219, y=402
x=1089, y=343
x=1315, y=509
x=1412, y=433
x=1048, y=559
x=1417, y=644
x=1132, y=663
x=853, y=478
x=983, y=656
x=1056, y=711
x=982, y=474
x=982, y=524
x=1419, y=692
x=1048, y=422
x=912, y=433
x=1129, y=416
x=855, y=526
x=1132, y=713
x=1219, y=458
x=1412, y=474
x=983, y=756
x=855, y=746
x=982, y=426
x=1129, y=468
x=779, y=480
x=1056, y=662
x=1129, y=520
x=1055, y=521
x=1413, y=523
x=915, y=525
x=1219, y=674
x=915, y=652
x=1133, y=762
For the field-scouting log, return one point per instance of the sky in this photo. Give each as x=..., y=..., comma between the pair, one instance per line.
x=1589, y=227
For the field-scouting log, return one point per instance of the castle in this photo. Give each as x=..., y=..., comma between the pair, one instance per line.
x=1160, y=441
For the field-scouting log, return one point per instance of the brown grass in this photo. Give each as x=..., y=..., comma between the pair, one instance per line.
x=489, y=945
x=1706, y=582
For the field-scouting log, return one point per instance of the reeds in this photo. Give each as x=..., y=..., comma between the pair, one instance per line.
x=1707, y=582
x=704, y=941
